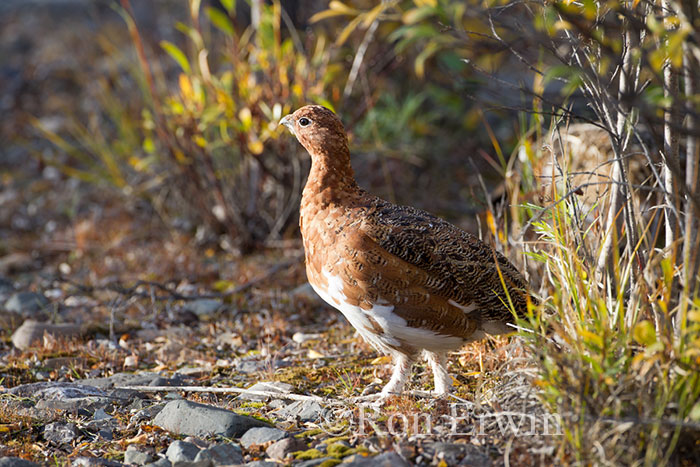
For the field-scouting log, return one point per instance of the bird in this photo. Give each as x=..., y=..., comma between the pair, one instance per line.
x=409, y=282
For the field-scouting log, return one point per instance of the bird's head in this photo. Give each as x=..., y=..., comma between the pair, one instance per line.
x=318, y=129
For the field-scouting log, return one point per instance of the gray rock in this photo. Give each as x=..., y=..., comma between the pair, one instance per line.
x=59, y=433
x=95, y=462
x=181, y=451
x=221, y=454
x=204, y=307
x=134, y=379
x=16, y=462
x=56, y=391
x=265, y=386
x=262, y=435
x=162, y=462
x=284, y=447
x=305, y=411
x=27, y=304
x=147, y=413
x=261, y=464
x=136, y=456
x=191, y=418
x=387, y=459
x=32, y=331
x=458, y=454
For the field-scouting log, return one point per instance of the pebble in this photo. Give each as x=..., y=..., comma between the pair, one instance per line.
x=32, y=331
x=95, y=462
x=266, y=386
x=16, y=462
x=59, y=433
x=181, y=451
x=204, y=306
x=221, y=454
x=190, y=418
x=305, y=411
x=27, y=304
x=145, y=378
x=262, y=435
x=387, y=459
x=284, y=447
x=458, y=453
x=136, y=456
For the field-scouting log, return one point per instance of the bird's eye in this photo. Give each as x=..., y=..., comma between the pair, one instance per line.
x=303, y=121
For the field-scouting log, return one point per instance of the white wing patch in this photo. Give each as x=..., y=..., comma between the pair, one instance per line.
x=396, y=330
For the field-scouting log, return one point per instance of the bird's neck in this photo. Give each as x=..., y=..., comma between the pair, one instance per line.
x=331, y=179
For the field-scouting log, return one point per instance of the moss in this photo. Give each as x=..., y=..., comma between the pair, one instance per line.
x=254, y=405
x=330, y=463
x=309, y=433
x=308, y=455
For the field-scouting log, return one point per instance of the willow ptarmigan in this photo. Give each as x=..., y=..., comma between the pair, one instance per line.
x=406, y=280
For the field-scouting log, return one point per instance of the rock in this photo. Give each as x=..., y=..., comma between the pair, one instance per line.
x=162, y=462
x=136, y=456
x=70, y=397
x=262, y=435
x=261, y=464
x=56, y=391
x=16, y=462
x=248, y=365
x=191, y=418
x=221, y=454
x=27, y=304
x=387, y=459
x=204, y=306
x=95, y=462
x=147, y=413
x=181, y=451
x=32, y=331
x=284, y=447
x=305, y=411
x=145, y=378
x=59, y=433
x=458, y=454
x=265, y=386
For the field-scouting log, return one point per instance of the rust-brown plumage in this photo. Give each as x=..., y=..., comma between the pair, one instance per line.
x=406, y=280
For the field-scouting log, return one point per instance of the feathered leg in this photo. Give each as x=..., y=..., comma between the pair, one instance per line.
x=438, y=363
x=402, y=368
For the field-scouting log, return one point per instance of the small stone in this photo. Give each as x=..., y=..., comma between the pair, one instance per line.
x=32, y=331
x=59, y=433
x=458, y=453
x=204, y=307
x=190, y=418
x=27, y=304
x=136, y=456
x=95, y=462
x=305, y=411
x=265, y=386
x=284, y=447
x=181, y=451
x=16, y=462
x=162, y=462
x=221, y=454
x=387, y=459
x=262, y=435
x=261, y=464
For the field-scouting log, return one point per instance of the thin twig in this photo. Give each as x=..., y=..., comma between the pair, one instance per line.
x=231, y=390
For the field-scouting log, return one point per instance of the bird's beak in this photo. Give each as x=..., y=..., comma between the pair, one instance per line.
x=288, y=122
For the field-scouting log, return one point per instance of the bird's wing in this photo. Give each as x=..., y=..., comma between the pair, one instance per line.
x=432, y=270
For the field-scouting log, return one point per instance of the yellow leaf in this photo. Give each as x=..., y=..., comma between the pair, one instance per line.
x=372, y=15
x=644, y=333
x=314, y=354
x=345, y=33
x=340, y=6
x=321, y=15
x=186, y=87
x=246, y=118
x=200, y=141
x=255, y=147
x=383, y=360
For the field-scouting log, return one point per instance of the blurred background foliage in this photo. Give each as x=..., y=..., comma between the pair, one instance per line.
x=473, y=102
